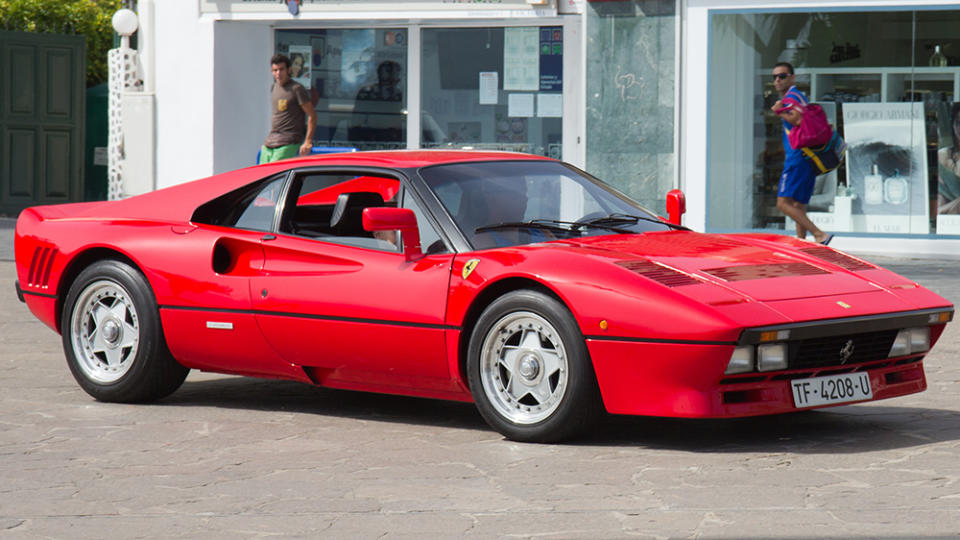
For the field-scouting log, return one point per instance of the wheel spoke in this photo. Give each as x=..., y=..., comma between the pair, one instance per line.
x=542, y=391
x=114, y=356
x=129, y=336
x=531, y=339
x=551, y=362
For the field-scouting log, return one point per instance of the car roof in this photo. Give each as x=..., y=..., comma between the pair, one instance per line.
x=407, y=158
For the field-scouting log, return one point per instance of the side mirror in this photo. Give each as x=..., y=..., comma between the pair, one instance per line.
x=676, y=206
x=390, y=219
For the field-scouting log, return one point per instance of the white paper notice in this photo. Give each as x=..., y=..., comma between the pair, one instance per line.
x=489, y=81
x=550, y=105
x=521, y=58
x=520, y=105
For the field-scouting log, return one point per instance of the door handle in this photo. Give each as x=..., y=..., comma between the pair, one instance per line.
x=268, y=237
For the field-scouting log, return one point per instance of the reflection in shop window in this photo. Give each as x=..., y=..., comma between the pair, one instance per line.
x=887, y=80
x=357, y=79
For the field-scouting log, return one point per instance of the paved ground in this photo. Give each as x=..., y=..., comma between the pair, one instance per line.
x=229, y=457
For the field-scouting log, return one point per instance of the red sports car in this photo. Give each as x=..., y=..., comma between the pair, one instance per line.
x=514, y=281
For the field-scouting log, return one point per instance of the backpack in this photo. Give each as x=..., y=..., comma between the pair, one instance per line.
x=813, y=129
x=826, y=157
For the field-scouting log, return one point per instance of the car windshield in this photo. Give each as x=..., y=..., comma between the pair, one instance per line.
x=506, y=203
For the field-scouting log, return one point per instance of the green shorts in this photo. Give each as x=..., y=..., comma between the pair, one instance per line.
x=268, y=155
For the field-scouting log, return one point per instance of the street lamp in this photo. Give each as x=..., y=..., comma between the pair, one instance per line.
x=122, y=64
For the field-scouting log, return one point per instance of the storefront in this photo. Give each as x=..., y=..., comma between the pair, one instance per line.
x=646, y=94
x=887, y=75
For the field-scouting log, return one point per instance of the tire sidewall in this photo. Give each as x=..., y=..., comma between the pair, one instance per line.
x=128, y=386
x=578, y=404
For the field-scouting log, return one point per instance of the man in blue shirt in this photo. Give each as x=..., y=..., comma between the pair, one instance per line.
x=797, y=179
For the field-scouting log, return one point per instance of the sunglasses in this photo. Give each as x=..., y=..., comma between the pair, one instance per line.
x=780, y=76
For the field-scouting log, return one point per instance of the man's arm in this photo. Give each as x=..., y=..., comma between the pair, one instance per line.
x=311, y=113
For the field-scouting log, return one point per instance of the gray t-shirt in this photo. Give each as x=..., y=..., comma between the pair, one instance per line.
x=287, y=121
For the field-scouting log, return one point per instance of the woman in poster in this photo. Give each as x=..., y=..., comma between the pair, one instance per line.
x=948, y=189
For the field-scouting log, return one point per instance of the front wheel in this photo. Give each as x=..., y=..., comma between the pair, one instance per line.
x=529, y=371
x=113, y=339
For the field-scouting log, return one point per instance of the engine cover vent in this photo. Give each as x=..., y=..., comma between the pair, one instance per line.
x=765, y=271
x=659, y=273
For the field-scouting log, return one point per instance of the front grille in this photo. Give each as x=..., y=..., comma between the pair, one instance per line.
x=826, y=351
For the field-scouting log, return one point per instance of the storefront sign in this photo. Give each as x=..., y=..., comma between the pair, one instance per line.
x=398, y=7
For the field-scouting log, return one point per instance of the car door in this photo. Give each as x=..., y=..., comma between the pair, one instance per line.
x=346, y=304
x=211, y=325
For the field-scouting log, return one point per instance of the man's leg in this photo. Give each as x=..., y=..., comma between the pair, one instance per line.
x=797, y=211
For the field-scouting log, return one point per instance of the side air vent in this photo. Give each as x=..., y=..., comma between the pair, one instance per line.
x=835, y=257
x=660, y=274
x=40, y=266
x=765, y=271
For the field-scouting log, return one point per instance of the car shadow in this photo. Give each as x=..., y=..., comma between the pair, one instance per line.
x=839, y=430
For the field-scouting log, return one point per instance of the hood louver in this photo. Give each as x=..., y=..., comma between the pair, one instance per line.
x=765, y=271
x=660, y=274
x=835, y=257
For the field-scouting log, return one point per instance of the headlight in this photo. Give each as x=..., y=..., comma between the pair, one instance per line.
x=741, y=361
x=771, y=356
x=911, y=340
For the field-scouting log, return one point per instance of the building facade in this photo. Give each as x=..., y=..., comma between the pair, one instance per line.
x=646, y=94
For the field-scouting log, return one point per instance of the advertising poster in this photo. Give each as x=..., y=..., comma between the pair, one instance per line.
x=356, y=59
x=521, y=58
x=301, y=60
x=948, y=170
x=886, y=167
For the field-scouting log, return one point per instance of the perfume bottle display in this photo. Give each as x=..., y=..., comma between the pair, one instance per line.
x=938, y=59
x=896, y=190
x=873, y=187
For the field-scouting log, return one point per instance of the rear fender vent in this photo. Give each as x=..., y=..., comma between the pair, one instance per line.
x=765, y=271
x=659, y=273
x=40, y=266
x=835, y=257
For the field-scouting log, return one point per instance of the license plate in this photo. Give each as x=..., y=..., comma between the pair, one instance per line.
x=831, y=389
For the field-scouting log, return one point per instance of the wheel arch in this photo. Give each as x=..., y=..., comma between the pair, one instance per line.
x=77, y=264
x=486, y=297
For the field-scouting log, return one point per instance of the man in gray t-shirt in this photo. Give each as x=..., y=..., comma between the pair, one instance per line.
x=289, y=106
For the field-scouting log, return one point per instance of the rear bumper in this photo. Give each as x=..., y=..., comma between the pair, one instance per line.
x=19, y=291
x=684, y=380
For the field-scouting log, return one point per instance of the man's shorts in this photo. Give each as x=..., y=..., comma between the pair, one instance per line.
x=268, y=155
x=797, y=181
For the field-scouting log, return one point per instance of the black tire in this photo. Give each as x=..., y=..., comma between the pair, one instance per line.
x=529, y=371
x=113, y=339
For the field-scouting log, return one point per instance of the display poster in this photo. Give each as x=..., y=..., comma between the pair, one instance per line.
x=549, y=105
x=551, y=59
x=301, y=60
x=887, y=167
x=948, y=169
x=520, y=105
x=521, y=58
x=489, y=81
x=356, y=59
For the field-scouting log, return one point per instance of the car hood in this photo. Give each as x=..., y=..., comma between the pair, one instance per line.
x=764, y=268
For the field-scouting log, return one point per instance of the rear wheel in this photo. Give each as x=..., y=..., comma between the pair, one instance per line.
x=529, y=370
x=113, y=339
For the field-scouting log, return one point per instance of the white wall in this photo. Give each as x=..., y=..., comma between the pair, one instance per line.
x=184, y=93
x=241, y=90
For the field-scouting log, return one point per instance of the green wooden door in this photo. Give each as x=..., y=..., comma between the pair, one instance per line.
x=42, y=80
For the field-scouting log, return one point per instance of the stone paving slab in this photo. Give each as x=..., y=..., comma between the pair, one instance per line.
x=230, y=457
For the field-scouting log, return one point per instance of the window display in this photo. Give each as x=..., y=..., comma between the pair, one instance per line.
x=886, y=79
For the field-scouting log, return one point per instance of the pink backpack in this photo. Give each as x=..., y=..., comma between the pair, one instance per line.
x=813, y=130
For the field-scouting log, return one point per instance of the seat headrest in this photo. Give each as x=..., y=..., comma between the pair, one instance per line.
x=350, y=205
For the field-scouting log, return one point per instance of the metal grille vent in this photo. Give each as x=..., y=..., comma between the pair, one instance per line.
x=40, y=266
x=765, y=271
x=660, y=274
x=826, y=351
x=835, y=257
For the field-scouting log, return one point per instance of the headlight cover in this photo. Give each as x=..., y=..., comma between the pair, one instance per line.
x=910, y=341
x=741, y=361
x=771, y=356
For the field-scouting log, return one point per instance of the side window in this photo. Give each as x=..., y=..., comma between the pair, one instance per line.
x=430, y=241
x=329, y=207
x=251, y=207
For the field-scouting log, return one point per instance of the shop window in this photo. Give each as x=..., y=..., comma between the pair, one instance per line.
x=493, y=88
x=889, y=82
x=357, y=79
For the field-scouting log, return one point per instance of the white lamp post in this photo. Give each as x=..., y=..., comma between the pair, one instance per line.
x=122, y=64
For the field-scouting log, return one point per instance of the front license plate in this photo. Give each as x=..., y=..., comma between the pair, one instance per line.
x=831, y=389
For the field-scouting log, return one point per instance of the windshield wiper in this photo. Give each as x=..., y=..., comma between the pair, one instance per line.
x=549, y=224
x=620, y=218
